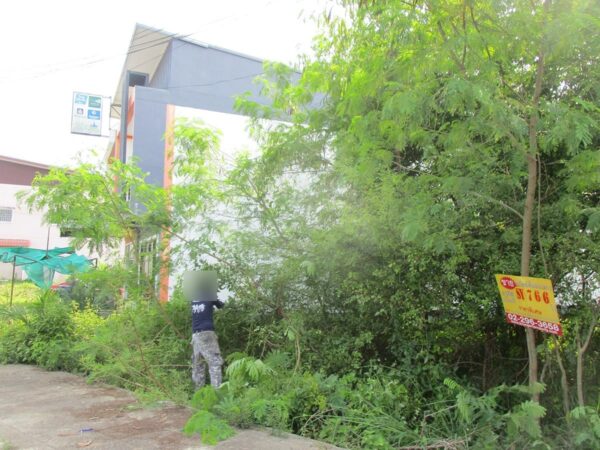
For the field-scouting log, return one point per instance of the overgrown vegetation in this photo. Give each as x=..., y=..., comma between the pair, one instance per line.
x=145, y=347
x=426, y=147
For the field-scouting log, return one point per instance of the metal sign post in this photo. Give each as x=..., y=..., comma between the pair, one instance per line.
x=12, y=284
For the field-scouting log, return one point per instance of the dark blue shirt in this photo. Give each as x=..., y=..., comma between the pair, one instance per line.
x=202, y=313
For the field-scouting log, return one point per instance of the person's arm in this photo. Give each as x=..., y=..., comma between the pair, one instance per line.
x=219, y=304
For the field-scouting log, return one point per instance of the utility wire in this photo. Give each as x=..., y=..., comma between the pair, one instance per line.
x=233, y=16
x=157, y=42
x=154, y=43
x=243, y=77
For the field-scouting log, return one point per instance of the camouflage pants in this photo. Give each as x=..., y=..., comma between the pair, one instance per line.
x=206, y=352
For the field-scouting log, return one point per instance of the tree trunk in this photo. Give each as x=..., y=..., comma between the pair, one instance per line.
x=564, y=382
x=580, y=398
x=525, y=258
x=581, y=349
x=532, y=173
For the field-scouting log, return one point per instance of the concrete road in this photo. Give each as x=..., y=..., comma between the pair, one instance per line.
x=49, y=410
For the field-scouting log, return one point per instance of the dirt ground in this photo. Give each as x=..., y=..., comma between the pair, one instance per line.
x=56, y=410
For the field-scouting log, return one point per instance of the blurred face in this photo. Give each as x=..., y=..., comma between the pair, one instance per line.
x=197, y=281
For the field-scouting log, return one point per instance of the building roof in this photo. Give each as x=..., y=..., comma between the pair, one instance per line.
x=22, y=162
x=15, y=242
x=19, y=172
x=146, y=49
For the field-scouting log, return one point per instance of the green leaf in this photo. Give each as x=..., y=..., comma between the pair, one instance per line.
x=204, y=398
x=593, y=222
x=524, y=418
x=210, y=428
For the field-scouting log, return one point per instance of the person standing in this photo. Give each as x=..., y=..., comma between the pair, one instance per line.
x=201, y=289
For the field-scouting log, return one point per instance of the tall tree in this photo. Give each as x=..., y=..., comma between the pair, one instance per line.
x=442, y=127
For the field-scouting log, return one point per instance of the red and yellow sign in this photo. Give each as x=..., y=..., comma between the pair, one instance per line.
x=529, y=302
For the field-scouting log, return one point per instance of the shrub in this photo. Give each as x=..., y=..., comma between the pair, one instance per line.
x=100, y=288
x=210, y=428
x=41, y=333
x=144, y=347
x=14, y=342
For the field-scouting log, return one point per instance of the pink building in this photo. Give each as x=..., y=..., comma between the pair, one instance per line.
x=18, y=226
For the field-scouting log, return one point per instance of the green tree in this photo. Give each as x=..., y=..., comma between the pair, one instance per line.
x=452, y=140
x=92, y=203
x=426, y=146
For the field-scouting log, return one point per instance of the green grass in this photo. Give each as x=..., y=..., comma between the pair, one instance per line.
x=24, y=292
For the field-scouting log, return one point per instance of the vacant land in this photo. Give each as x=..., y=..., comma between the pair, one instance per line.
x=50, y=410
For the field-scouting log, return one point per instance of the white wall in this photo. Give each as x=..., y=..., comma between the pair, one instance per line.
x=234, y=138
x=233, y=128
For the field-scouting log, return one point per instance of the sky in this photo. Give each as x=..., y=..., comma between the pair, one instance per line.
x=50, y=49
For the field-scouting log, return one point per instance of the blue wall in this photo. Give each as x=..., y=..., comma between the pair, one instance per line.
x=200, y=74
x=160, y=79
x=190, y=75
x=148, y=132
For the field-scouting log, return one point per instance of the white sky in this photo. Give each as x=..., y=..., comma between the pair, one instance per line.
x=49, y=49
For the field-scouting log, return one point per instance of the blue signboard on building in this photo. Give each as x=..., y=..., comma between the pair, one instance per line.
x=86, y=117
x=93, y=114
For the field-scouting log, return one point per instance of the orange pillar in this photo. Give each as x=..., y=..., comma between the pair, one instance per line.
x=163, y=294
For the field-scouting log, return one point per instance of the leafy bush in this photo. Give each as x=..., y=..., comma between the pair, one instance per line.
x=144, y=347
x=100, y=288
x=344, y=410
x=374, y=410
x=14, y=342
x=585, y=427
x=41, y=333
x=210, y=428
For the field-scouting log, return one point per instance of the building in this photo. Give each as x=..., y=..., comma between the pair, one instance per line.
x=166, y=77
x=18, y=226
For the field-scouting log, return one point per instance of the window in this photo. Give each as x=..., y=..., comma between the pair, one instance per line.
x=70, y=230
x=6, y=214
x=66, y=232
x=148, y=257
